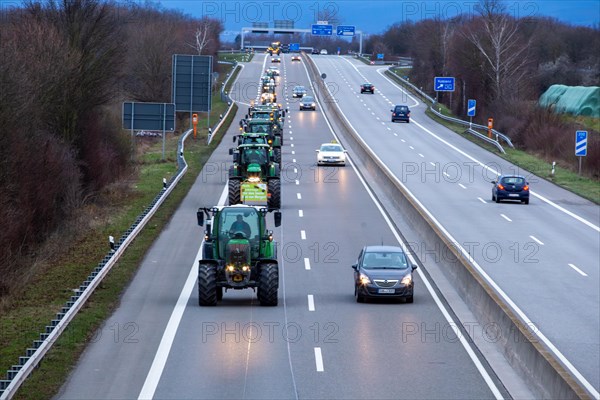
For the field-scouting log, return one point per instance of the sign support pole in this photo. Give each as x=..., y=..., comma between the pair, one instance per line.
x=164, y=129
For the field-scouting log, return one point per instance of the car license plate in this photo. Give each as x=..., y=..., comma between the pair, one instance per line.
x=513, y=195
x=386, y=291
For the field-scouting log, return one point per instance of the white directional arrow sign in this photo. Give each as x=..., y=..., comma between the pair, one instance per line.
x=581, y=143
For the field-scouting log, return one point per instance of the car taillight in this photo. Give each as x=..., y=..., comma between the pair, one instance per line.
x=526, y=187
x=500, y=186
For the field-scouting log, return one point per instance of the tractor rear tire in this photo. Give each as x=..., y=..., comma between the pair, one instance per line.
x=274, y=193
x=234, y=192
x=277, y=154
x=207, y=285
x=268, y=284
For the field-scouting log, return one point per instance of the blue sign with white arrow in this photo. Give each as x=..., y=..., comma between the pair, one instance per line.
x=346, y=30
x=443, y=84
x=471, y=107
x=322, y=30
x=581, y=143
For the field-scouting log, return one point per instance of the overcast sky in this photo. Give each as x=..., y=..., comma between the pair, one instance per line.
x=374, y=16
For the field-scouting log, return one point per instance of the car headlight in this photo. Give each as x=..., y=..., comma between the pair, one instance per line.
x=364, y=280
x=407, y=280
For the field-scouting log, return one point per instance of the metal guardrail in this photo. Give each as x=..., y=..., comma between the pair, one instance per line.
x=225, y=97
x=523, y=348
x=34, y=355
x=499, y=135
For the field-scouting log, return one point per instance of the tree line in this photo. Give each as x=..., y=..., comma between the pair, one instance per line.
x=66, y=67
x=505, y=63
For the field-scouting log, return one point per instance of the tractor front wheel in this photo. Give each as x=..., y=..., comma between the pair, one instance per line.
x=277, y=155
x=274, y=193
x=234, y=192
x=207, y=285
x=268, y=284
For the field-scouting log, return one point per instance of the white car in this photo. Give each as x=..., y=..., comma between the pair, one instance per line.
x=296, y=58
x=323, y=51
x=275, y=70
x=331, y=154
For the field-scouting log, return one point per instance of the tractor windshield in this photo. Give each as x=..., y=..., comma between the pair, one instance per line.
x=261, y=115
x=259, y=128
x=239, y=223
x=255, y=155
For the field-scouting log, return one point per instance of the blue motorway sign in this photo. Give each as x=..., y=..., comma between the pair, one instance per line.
x=322, y=30
x=380, y=56
x=471, y=104
x=581, y=143
x=443, y=84
x=294, y=46
x=346, y=30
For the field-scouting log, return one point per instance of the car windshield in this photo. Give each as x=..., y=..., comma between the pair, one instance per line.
x=307, y=99
x=384, y=260
x=401, y=109
x=331, y=147
x=513, y=180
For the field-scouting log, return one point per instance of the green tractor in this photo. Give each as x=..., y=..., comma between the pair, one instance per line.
x=238, y=252
x=272, y=128
x=257, y=138
x=254, y=177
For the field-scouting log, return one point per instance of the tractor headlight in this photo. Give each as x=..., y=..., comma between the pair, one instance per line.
x=245, y=268
x=254, y=179
x=407, y=280
x=230, y=268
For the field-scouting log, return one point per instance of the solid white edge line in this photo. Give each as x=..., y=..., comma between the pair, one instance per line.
x=482, y=371
x=311, y=302
x=539, y=196
x=476, y=265
x=164, y=348
x=319, y=359
x=578, y=270
x=306, y=263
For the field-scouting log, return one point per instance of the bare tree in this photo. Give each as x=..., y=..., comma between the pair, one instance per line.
x=202, y=36
x=498, y=40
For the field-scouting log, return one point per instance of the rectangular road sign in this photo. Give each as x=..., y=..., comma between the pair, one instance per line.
x=149, y=116
x=322, y=30
x=346, y=30
x=581, y=143
x=380, y=56
x=471, y=104
x=192, y=82
x=443, y=84
x=294, y=46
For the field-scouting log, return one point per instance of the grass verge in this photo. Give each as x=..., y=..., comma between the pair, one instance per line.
x=239, y=57
x=563, y=177
x=22, y=322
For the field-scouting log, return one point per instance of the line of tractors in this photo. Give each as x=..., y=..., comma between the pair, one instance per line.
x=238, y=250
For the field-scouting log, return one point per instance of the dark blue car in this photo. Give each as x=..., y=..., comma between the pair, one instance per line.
x=510, y=187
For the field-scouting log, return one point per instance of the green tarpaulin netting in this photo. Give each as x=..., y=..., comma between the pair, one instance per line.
x=576, y=100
